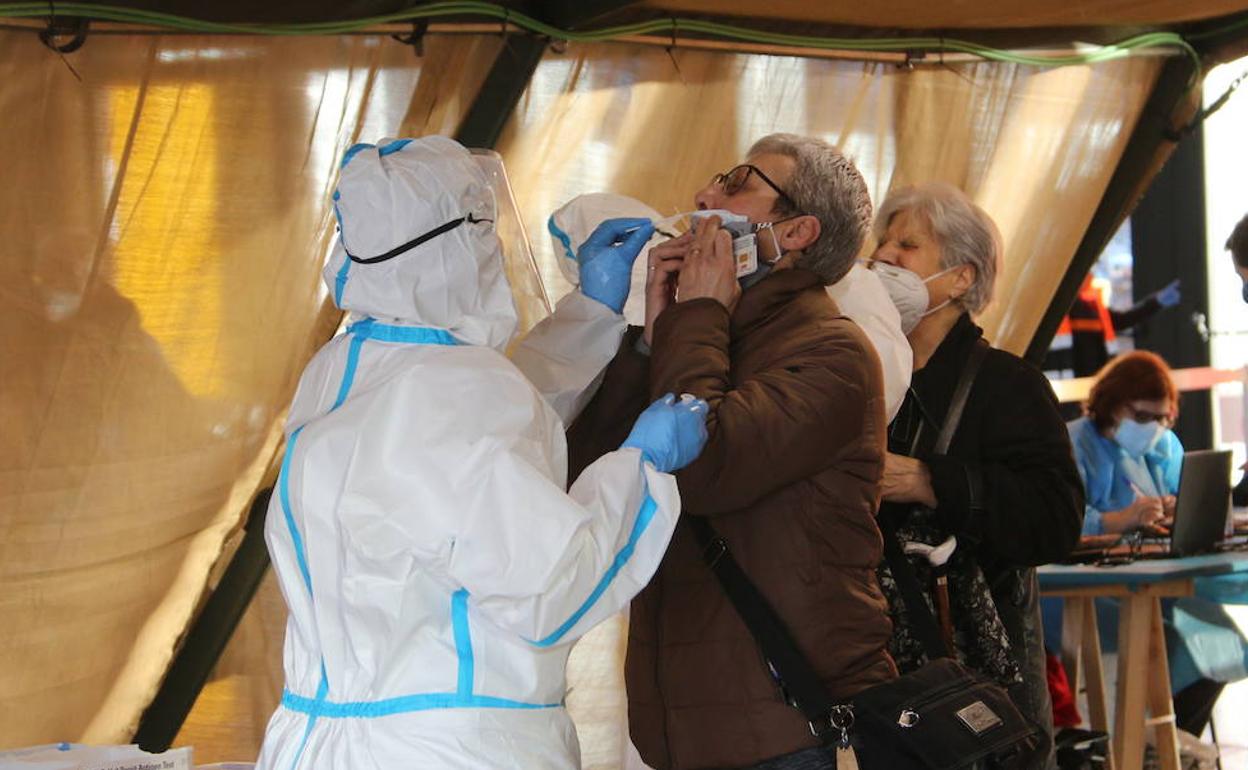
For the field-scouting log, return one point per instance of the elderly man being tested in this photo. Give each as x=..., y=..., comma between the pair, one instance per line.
x=791, y=473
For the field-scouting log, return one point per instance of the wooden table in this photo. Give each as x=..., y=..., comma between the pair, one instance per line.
x=1143, y=670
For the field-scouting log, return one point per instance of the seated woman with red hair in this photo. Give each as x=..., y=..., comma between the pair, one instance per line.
x=1127, y=455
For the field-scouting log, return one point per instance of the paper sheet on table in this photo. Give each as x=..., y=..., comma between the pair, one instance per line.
x=71, y=756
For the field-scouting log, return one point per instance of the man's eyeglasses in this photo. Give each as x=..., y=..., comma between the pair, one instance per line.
x=1144, y=417
x=734, y=179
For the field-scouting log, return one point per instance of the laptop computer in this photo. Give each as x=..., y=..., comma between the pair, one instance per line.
x=1203, y=502
x=1200, y=513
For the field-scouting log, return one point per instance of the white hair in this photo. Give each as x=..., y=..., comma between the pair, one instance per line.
x=826, y=185
x=964, y=231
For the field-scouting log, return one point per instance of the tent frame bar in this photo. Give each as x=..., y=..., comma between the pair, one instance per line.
x=684, y=40
x=501, y=91
x=208, y=635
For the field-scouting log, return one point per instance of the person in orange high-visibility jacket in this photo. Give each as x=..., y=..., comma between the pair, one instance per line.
x=1092, y=326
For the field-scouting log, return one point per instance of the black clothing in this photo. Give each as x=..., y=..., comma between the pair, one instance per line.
x=1239, y=495
x=1087, y=349
x=1193, y=705
x=1009, y=484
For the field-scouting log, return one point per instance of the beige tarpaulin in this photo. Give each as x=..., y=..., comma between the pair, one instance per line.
x=164, y=224
x=1036, y=148
x=165, y=221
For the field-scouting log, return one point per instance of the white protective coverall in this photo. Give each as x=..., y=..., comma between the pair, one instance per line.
x=435, y=570
x=860, y=295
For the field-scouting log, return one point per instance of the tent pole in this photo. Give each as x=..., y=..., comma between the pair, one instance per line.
x=501, y=91
x=508, y=78
x=208, y=635
x=1169, y=105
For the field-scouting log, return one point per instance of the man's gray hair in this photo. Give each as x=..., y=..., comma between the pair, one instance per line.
x=964, y=231
x=826, y=185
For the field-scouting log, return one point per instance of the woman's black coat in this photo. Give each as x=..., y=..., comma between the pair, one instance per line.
x=1008, y=485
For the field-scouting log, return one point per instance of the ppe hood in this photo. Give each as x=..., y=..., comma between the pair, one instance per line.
x=417, y=242
x=572, y=224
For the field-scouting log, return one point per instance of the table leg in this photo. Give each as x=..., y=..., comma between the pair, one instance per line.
x=1133, y=677
x=1073, y=632
x=1160, y=702
x=1094, y=676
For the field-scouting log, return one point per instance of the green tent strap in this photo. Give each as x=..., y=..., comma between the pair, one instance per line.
x=665, y=26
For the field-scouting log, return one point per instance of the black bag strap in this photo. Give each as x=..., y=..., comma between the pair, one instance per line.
x=825, y=716
x=922, y=622
x=957, y=404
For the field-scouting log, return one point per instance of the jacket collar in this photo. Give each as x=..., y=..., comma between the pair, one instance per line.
x=933, y=385
x=764, y=299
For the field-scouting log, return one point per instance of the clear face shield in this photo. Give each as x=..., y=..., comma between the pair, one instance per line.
x=527, y=289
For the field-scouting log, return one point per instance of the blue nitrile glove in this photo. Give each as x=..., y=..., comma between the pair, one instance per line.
x=671, y=432
x=1170, y=296
x=606, y=259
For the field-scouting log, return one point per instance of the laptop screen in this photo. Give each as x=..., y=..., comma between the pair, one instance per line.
x=1203, y=503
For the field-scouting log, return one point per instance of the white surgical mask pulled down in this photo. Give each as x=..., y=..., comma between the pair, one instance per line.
x=1136, y=439
x=750, y=269
x=908, y=292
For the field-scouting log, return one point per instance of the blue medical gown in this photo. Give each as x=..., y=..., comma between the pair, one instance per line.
x=1108, y=472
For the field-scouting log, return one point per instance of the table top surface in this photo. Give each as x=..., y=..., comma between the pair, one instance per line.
x=1145, y=571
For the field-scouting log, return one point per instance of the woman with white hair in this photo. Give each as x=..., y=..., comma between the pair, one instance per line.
x=1005, y=486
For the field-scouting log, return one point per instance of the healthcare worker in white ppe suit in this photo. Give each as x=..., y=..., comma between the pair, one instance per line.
x=435, y=569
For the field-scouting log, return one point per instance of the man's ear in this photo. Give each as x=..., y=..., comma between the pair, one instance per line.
x=801, y=232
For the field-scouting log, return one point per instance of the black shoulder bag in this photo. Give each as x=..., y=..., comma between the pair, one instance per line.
x=941, y=717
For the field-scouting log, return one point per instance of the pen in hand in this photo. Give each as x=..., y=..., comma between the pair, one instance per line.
x=1148, y=517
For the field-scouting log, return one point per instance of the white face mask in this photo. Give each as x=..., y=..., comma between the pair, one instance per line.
x=750, y=269
x=1137, y=439
x=908, y=292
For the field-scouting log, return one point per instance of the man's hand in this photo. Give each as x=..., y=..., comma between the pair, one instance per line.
x=907, y=480
x=709, y=269
x=662, y=271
